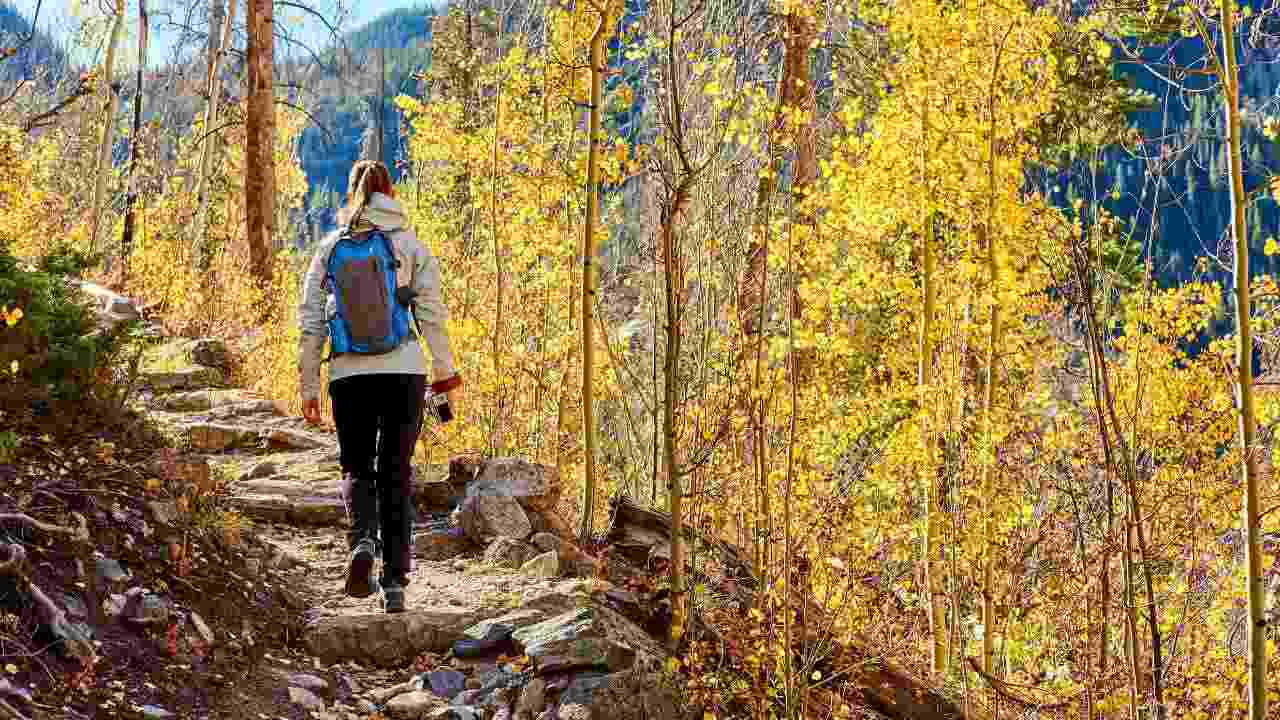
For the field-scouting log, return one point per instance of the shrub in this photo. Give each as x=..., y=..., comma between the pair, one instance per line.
x=53, y=345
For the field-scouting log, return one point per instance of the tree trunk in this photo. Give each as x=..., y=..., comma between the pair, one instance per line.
x=928, y=468
x=589, y=282
x=671, y=366
x=108, y=126
x=1244, y=378
x=126, y=239
x=217, y=50
x=259, y=182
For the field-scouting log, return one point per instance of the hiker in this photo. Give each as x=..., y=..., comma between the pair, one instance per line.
x=372, y=290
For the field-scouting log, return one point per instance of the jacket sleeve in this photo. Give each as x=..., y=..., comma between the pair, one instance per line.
x=311, y=318
x=430, y=310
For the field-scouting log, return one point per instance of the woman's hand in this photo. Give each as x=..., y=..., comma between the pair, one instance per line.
x=311, y=411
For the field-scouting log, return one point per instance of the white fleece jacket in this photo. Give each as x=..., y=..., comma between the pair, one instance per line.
x=418, y=269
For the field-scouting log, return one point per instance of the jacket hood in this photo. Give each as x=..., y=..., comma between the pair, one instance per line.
x=382, y=212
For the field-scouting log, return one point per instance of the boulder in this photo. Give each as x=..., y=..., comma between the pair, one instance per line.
x=592, y=636
x=536, y=487
x=628, y=695
x=483, y=517
x=508, y=552
x=109, y=308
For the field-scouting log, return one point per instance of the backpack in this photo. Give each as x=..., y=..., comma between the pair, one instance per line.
x=371, y=316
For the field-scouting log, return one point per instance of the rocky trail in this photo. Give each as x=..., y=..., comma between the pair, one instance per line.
x=506, y=619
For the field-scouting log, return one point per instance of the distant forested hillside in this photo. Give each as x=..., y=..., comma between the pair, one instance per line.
x=37, y=53
x=1181, y=167
x=356, y=97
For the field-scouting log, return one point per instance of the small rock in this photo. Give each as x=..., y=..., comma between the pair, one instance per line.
x=111, y=573
x=75, y=606
x=574, y=711
x=460, y=565
x=264, y=469
x=533, y=697
x=382, y=696
x=151, y=610
x=545, y=541
x=164, y=511
x=74, y=639
x=545, y=566
x=507, y=552
x=446, y=683
x=154, y=712
x=412, y=705
x=441, y=545
x=113, y=605
x=209, y=352
x=206, y=633
x=305, y=699
x=348, y=685
x=455, y=712
x=317, y=685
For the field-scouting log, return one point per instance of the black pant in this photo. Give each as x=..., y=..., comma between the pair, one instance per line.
x=379, y=417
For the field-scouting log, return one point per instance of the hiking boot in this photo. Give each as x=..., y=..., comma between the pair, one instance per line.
x=360, y=570
x=393, y=598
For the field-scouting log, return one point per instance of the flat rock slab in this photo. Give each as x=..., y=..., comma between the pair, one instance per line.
x=187, y=378
x=219, y=437
x=199, y=400
x=389, y=640
x=299, y=509
x=297, y=439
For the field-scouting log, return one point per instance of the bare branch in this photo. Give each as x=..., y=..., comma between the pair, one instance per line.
x=80, y=533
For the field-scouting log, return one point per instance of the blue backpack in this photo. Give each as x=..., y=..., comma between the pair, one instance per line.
x=372, y=315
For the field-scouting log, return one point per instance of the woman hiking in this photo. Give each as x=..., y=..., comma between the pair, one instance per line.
x=372, y=289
